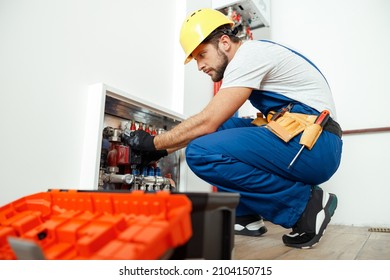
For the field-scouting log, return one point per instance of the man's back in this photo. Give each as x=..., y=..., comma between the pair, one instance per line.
x=270, y=67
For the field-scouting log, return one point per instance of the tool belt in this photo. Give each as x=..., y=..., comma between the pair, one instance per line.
x=287, y=125
x=333, y=127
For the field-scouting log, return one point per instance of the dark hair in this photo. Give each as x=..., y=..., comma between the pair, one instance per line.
x=225, y=29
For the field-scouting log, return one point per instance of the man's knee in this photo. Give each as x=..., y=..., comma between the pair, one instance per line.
x=193, y=154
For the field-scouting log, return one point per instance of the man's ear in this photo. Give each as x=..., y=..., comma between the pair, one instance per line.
x=225, y=42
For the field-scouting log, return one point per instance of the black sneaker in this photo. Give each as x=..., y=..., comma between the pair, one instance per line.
x=310, y=227
x=250, y=225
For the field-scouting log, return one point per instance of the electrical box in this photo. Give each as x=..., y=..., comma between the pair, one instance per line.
x=255, y=13
x=108, y=161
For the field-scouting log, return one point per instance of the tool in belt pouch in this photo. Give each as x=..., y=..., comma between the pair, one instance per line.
x=288, y=125
x=260, y=119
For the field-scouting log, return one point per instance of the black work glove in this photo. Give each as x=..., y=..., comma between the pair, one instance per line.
x=139, y=140
x=149, y=157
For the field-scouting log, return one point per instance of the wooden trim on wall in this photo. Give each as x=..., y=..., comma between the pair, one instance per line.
x=366, y=130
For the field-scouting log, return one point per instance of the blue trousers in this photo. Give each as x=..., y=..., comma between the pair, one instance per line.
x=252, y=161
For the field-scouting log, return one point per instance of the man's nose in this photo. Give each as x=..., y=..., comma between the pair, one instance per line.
x=200, y=65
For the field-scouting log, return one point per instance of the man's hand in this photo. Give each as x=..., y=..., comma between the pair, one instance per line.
x=149, y=157
x=139, y=140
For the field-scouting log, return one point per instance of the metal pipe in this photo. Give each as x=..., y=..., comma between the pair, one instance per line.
x=118, y=178
x=156, y=180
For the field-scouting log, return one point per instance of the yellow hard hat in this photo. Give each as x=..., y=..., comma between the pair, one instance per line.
x=197, y=26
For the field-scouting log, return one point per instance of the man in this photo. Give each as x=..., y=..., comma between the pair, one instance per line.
x=235, y=155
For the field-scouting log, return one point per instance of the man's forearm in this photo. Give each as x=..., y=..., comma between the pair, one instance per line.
x=220, y=108
x=182, y=134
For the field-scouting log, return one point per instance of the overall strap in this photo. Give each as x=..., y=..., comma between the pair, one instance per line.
x=297, y=53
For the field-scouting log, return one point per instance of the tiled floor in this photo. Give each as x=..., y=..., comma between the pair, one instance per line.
x=338, y=243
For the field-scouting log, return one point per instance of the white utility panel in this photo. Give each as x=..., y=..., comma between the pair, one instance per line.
x=255, y=12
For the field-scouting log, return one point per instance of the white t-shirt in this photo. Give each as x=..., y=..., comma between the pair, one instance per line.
x=270, y=67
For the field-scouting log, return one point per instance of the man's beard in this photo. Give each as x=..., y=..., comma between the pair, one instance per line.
x=220, y=69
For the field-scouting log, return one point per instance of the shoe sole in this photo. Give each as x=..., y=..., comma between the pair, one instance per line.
x=248, y=232
x=324, y=215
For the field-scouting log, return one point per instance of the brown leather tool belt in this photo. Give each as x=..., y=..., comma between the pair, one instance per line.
x=332, y=126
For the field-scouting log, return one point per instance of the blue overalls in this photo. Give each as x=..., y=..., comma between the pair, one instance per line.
x=251, y=160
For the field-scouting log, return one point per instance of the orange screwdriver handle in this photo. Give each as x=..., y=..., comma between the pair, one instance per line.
x=322, y=118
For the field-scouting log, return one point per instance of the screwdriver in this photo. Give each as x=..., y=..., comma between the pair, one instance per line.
x=311, y=134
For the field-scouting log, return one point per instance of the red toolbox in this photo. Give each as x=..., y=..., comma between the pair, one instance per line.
x=71, y=224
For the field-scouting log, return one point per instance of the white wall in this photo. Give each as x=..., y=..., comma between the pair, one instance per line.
x=349, y=41
x=50, y=51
